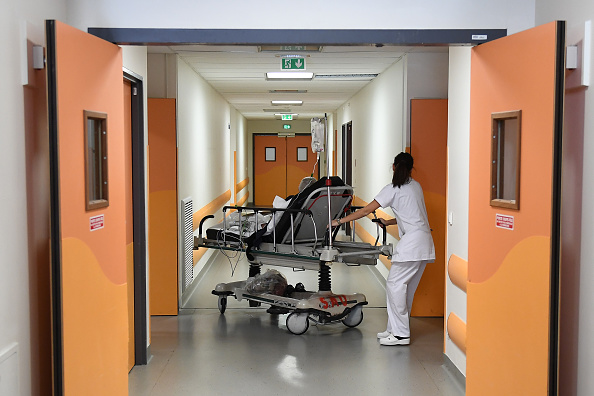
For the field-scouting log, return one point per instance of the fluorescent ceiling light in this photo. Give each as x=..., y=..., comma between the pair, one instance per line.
x=286, y=102
x=282, y=114
x=289, y=75
x=351, y=76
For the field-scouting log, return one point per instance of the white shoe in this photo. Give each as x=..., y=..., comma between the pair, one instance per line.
x=383, y=334
x=395, y=340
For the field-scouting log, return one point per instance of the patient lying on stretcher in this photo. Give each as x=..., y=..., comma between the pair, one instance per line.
x=252, y=223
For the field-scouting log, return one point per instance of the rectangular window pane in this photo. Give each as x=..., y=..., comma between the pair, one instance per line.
x=270, y=154
x=96, y=160
x=505, y=159
x=302, y=154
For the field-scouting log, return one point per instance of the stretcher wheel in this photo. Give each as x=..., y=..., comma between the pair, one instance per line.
x=222, y=303
x=355, y=317
x=297, y=323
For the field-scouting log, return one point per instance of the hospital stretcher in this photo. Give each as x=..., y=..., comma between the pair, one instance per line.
x=300, y=240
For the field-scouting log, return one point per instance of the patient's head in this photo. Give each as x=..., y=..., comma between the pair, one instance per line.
x=306, y=182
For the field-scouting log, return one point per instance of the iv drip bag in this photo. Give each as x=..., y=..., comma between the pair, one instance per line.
x=317, y=135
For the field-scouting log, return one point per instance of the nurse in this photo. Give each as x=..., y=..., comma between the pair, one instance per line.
x=414, y=250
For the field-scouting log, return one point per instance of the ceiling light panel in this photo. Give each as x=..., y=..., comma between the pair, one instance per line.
x=286, y=102
x=280, y=76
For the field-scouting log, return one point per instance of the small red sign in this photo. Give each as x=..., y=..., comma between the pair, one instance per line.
x=97, y=222
x=505, y=222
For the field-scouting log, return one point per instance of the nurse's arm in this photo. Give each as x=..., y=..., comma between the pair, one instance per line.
x=370, y=208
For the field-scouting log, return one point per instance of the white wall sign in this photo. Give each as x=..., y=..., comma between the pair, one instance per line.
x=505, y=222
x=97, y=222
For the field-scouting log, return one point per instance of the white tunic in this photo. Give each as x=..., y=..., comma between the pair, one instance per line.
x=408, y=205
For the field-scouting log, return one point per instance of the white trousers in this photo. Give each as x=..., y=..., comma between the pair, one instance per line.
x=402, y=282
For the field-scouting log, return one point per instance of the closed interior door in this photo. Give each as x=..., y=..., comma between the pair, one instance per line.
x=301, y=161
x=270, y=169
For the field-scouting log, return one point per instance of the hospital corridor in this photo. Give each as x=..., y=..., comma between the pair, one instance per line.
x=318, y=198
x=250, y=351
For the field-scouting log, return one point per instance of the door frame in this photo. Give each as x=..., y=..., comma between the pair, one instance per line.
x=347, y=160
x=139, y=218
x=55, y=226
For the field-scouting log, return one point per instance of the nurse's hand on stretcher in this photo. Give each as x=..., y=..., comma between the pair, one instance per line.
x=382, y=223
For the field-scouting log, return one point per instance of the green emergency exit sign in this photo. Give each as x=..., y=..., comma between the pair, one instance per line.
x=287, y=117
x=293, y=64
x=286, y=126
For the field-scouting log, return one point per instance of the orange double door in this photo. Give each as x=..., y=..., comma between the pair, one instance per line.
x=280, y=163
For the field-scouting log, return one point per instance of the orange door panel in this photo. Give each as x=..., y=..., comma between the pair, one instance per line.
x=163, y=276
x=270, y=169
x=513, y=256
x=300, y=161
x=429, y=132
x=89, y=291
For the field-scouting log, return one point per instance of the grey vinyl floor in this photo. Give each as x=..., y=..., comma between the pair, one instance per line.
x=247, y=351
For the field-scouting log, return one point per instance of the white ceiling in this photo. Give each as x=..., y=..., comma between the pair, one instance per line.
x=238, y=74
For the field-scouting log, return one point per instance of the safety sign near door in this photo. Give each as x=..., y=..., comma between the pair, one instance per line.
x=97, y=222
x=505, y=222
x=293, y=64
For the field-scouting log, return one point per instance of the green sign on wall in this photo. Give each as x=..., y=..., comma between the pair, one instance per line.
x=293, y=64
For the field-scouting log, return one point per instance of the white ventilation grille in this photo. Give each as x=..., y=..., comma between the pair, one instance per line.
x=187, y=242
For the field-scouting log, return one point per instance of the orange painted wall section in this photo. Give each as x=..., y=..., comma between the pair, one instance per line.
x=163, y=280
x=94, y=290
x=508, y=271
x=429, y=131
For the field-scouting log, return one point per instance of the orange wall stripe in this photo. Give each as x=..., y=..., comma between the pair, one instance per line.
x=380, y=213
x=243, y=199
x=235, y=175
x=211, y=208
x=457, y=331
x=458, y=271
x=197, y=255
x=241, y=185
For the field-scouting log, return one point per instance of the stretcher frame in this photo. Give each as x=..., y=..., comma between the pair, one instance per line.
x=301, y=253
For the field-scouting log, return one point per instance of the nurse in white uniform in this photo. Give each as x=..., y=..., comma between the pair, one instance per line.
x=414, y=250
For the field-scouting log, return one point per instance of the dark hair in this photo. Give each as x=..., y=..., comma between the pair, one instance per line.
x=403, y=164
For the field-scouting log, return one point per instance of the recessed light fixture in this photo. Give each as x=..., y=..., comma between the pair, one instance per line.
x=289, y=76
x=351, y=76
x=286, y=102
x=287, y=91
x=282, y=114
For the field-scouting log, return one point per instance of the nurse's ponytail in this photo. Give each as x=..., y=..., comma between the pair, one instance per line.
x=403, y=164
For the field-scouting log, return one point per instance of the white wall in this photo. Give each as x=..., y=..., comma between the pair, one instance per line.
x=205, y=157
x=426, y=78
x=17, y=276
x=457, y=194
x=577, y=312
x=515, y=15
x=378, y=116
